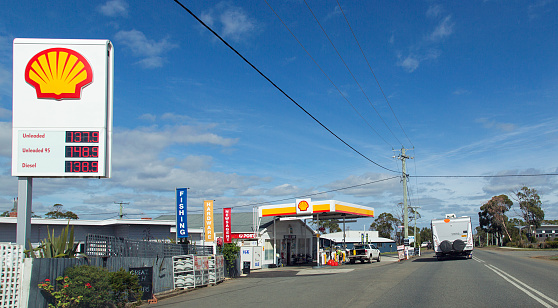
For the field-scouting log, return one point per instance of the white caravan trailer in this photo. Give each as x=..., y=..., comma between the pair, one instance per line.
x=452, y=236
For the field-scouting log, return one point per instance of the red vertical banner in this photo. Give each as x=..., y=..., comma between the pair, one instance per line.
x=227, y=225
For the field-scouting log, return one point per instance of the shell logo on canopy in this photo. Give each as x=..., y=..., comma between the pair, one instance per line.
x=303, y=205
x=58, y=73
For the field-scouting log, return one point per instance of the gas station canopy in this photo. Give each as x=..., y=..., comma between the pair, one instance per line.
x=327, y=209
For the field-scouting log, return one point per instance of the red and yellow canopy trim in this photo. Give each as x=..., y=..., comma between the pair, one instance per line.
x=319, y=207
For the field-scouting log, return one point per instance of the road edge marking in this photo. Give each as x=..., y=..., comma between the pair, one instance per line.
x=504, y=275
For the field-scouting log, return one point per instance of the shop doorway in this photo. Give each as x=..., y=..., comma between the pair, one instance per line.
x=289, y=249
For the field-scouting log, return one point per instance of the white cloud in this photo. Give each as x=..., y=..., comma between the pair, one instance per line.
x=443, y=30
x=149, y=50
x=379, y=185
x=234, y=22
x=132, y=147
x=114, y=8
x=148, y=117
x=410, y=63
x=427, y=48
x=434, y=11
x=177, y=118
x=207, y=18
x=6, y=139
x=284, y=190
x=5, y=81
x=5, y=113
x=333, y=14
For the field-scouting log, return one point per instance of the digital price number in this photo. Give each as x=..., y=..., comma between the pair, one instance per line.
x=82, y=166
x=82, y=136
x=82, y=151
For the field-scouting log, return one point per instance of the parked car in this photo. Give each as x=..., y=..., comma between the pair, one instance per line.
x=364, y=252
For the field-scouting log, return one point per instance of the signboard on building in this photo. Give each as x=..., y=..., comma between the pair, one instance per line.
x=208, y=220
x=227, y=225
x=62, y=108
x=181, y=213
x=244, y=235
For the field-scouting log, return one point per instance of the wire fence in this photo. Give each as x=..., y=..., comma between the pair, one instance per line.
x=110, y=246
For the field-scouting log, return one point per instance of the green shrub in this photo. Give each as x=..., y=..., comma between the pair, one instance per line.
x=230, y=254
x=551, y=244
x=59, y=297
x=97, y=287
x=125, y=287
x=92, y=283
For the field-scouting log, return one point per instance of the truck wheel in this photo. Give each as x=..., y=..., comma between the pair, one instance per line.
x=378, y=260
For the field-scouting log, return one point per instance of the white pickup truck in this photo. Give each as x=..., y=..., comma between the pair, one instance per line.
x=364, y=252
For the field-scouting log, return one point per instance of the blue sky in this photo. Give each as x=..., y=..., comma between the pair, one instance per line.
x=470, y=89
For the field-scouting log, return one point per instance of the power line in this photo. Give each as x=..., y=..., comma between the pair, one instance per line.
x=278, y=88
x=325, y=74
x=350, y=72
x=369, y=66
x=483, y=176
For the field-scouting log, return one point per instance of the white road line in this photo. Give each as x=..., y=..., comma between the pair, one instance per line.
x=478, y=260
x=528, y=287
x=505, y=275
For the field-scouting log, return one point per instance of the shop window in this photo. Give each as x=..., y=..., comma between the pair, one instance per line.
x=268, y=249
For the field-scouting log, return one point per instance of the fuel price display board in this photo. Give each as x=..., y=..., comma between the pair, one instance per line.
x=62, y=108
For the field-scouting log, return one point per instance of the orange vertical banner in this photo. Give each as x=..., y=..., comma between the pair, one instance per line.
x=208, y=220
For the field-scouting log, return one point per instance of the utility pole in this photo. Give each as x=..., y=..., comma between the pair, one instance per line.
x=121, y=215
x=403, y=157
x=414, y=208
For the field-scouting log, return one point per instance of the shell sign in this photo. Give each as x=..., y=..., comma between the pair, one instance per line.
x=303, y=206
x=62, y=110
x=58, y=73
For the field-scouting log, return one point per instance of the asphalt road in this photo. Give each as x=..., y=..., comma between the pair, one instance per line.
x=493, y=278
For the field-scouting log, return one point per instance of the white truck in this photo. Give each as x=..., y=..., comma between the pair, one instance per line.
x=364, y=252
x=452, y=237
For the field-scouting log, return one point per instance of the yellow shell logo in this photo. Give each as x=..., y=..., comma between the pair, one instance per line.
x=303, y=205
x=58, y=73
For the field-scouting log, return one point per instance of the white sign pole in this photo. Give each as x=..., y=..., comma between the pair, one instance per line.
x=24, y=208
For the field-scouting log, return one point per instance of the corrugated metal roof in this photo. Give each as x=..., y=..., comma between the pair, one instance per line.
x=241, y=222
